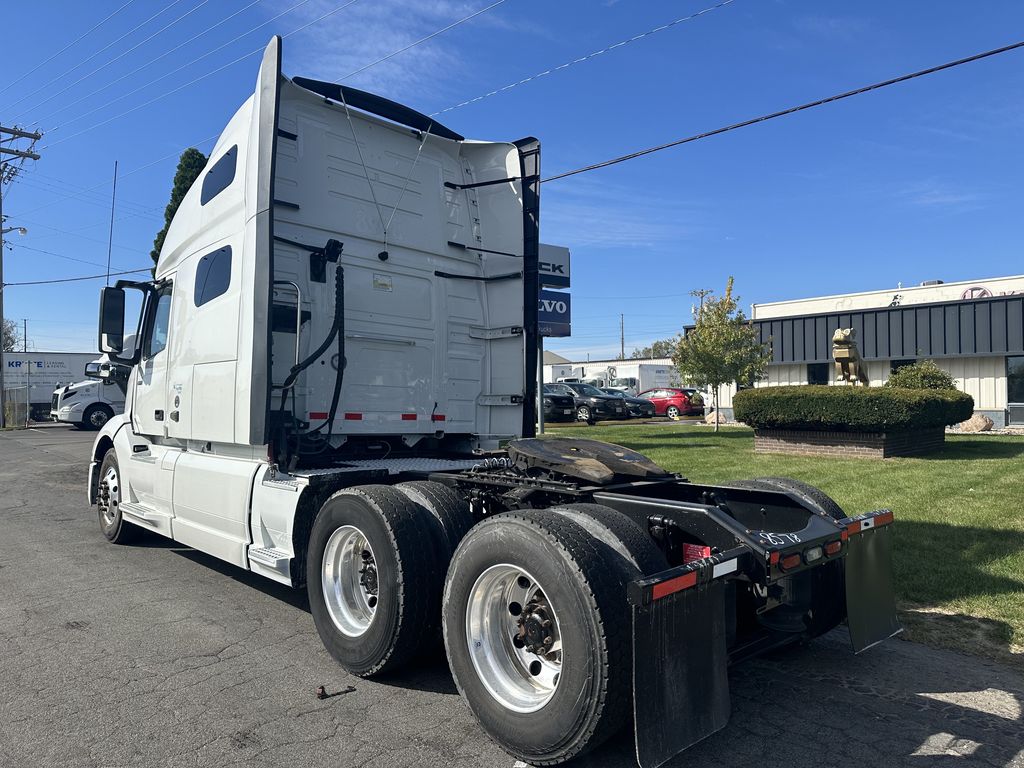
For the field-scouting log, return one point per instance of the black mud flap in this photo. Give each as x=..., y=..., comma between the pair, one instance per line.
x=680, y=685
x=870, y=596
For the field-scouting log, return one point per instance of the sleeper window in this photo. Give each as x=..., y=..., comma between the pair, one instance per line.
x=213, y=275
x=220, y=176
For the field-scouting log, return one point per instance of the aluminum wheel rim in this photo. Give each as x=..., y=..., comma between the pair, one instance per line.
x=110, y=495
x=519, y=679
x=98, y=418
x=349, y=578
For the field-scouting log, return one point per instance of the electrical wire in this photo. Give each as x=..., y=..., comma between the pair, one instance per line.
x=789, y=111
x=67, y=72
x=165, y=94
x=77, y=279
x=77, y=40
x=186, y=65
x=581, y=59
x=138, y=69
x=431, y=36
x=119, y=56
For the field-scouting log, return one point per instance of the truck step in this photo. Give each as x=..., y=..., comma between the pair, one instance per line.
x=273, y=563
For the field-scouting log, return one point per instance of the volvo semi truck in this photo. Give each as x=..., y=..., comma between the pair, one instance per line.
x=333, y=386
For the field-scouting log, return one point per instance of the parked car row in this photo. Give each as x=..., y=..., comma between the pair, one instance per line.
x=576, y=401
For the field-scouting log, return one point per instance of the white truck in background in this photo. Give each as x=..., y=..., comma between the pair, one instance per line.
x=629, y=376
x=334, y=387
x=92, y=403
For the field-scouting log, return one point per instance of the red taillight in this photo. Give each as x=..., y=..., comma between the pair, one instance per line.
x=790, y=561
x=833, y=547
x=353, y=417
x=437, y=417
x=408, y=417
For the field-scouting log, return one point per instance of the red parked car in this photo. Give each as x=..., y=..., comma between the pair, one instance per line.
x=675, y=402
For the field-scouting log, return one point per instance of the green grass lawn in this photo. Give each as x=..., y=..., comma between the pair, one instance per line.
x=959, y=545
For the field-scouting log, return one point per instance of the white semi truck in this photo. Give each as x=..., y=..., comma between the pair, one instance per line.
x=92, y=403
x=334, y=387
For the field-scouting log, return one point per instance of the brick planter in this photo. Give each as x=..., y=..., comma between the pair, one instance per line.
x=877, y=445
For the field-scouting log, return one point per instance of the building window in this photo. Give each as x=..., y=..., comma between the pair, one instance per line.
x=817, y=373
x=213, y=275
x=1015, y=380
x=219, y=177
x=897, y=364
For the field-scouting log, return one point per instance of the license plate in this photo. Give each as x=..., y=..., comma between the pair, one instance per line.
x=567, y=411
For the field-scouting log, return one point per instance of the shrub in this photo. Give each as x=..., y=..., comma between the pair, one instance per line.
x=924, y=374
x=851, y=409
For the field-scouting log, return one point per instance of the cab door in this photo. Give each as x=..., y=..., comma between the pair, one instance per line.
x=149, y=405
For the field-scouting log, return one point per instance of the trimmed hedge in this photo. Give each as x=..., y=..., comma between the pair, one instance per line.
x=850, y=409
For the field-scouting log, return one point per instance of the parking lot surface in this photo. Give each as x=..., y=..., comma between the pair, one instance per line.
x=156, y=655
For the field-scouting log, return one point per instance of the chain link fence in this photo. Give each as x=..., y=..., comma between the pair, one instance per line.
x=16, y=407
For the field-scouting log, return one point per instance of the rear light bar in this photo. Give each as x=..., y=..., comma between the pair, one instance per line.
x=694, y=574
x=868, y=521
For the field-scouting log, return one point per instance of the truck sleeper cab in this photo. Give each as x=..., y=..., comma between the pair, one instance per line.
x=339, y=339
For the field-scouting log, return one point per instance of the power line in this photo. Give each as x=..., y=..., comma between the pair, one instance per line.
x=78, y=39
x=150, y=62
x=68, y=71
x=186, y=65
x=120, y=56
x=77, y=279
x=150, y=164
x=581, y=59
x=431, y=36
x=165, y=94
x=789, y=111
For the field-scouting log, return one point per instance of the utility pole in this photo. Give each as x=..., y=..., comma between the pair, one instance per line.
x=701, y=293
x=24, y=334
x=622, y=337
x=7, y=172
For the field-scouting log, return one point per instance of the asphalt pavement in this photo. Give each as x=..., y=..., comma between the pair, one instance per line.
x=156, y=655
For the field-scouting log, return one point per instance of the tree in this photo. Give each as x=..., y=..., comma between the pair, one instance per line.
x=10, y=336
x=924, y=374
x=660, y=348
x=190, y=166
x=723, y=347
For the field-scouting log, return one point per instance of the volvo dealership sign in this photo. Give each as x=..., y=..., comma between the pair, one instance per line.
x=554, y=313
x=554, y=308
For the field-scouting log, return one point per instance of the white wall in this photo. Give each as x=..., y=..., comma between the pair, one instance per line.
x=916, y=294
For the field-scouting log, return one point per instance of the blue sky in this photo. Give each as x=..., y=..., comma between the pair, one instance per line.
x=915, y=182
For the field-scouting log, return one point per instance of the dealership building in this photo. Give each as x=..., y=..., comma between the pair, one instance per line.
x=973, y=329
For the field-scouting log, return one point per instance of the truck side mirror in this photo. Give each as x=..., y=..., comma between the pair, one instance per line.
x=111, y=336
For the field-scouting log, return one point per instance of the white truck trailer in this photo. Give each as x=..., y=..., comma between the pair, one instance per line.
x=35, y=375
x=339, y=340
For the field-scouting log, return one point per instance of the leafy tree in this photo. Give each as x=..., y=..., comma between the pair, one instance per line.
x=10, y=336
x=660, y=348
x=190, y=166
x=924, y=374
x=722, y=347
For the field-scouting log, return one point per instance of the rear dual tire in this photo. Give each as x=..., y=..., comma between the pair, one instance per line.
x=375, y=570
x=543, y=708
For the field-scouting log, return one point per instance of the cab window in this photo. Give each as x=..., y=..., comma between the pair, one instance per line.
x=156, y=339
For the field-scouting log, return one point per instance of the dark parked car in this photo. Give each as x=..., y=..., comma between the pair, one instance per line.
x=591, y=403
x=638, y=407
x=559, y=407
x=675, y=401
